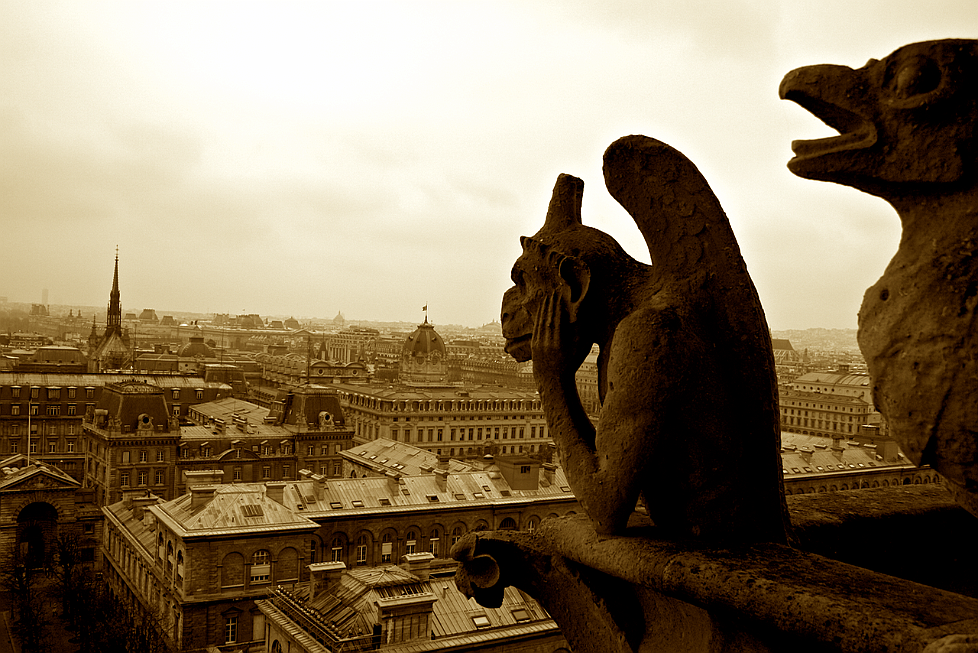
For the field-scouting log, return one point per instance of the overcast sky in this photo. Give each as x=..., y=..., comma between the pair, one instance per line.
x=371, y=158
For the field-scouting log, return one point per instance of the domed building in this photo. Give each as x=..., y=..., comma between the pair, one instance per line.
x=196, y=346
x=424, y=358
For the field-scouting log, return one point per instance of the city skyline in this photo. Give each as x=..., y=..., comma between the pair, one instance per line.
x=306, y=159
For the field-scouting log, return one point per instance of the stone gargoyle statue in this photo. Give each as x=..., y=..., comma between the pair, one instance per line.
x=686, y=372
x=907, y=134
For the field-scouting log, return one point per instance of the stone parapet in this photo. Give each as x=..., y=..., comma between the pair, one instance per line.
x=915, y=582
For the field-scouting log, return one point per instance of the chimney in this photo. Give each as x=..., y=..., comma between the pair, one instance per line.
x=305, y=474
x=838, y=446
x=324, y=576
x=275, y=490
x=200, y=495
x=442, y=462
x=441, y=479
x=548, y=474
x=394, y=482
x=139, y=505
x=319, y=482
x=418, y=564
x=203, y=477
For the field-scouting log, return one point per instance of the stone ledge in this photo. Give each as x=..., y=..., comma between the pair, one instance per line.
x=657, y=595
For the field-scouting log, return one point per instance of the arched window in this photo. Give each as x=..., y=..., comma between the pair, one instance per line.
x=179, y=566
x=411, y=542
x=362, y=550
x=232, y=570
x=433, y=542
x=336, y=550
x=159, y=549
x=508, y=524
x=531, y=524
x=261, y=568
x=457, y=534
x=386, y=548
x=287, y=566
x=169, y=558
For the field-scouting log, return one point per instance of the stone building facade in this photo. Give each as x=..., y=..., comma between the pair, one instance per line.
x=203, y=559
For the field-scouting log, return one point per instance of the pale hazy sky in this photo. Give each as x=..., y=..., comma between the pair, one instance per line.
x=306, y=158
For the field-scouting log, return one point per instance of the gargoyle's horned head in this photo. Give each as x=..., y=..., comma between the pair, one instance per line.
x=907, y=119
x=565, y=256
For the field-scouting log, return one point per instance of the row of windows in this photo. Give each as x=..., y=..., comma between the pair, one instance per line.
x=414, y=541
x=143, y=456
x=142, y=478
x=435, y=405
x=204, y=450
x=836, y=415
x=923, y=479
x=55, y=429
x=37, y=392
x=474, y=434
x=817, y=424
x=50, y=410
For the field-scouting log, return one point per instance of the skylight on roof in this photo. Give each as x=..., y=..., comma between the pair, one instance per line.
x=335, y=505
x=480, y=621
x=432, y=497
x=357, y=503
x=252, y=510
x=460, y=497
x=479, y=495
x=521, y=615
x=384, y=501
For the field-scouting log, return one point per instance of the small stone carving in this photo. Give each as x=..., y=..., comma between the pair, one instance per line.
x=907, y=128
x=686, y=371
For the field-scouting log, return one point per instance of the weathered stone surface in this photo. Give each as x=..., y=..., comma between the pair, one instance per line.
x=686, y=372
x=907, y=128
x=637, y=592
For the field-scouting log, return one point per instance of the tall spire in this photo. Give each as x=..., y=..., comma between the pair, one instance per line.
x=113, y=317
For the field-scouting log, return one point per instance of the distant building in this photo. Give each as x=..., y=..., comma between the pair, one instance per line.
x=113, y=350
x=148, y=316
x=55, y=359
x=411, y=607
x=196, y=348
x=295, y=369
x=205, y=559
x=829, y=403
x=244, y=443
x=812, y=464
x=39, y=502
x=424, y=358
x=41, y=414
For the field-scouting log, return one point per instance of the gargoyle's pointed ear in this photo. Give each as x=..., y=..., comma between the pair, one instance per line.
x=577, y=279
x=565, y=205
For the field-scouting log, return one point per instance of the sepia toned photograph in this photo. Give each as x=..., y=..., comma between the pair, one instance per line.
x=532, y=327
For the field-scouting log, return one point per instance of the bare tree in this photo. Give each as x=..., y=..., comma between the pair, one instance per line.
x=30, y=623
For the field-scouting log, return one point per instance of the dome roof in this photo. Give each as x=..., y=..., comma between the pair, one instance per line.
x=424, y=342
x=196, y=346
x=424, y=359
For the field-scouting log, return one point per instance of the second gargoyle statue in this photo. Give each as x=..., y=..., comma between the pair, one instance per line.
x=689, y=403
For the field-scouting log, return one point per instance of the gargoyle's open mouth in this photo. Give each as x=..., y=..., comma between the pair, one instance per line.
x=516, y=343
x=855, y=132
